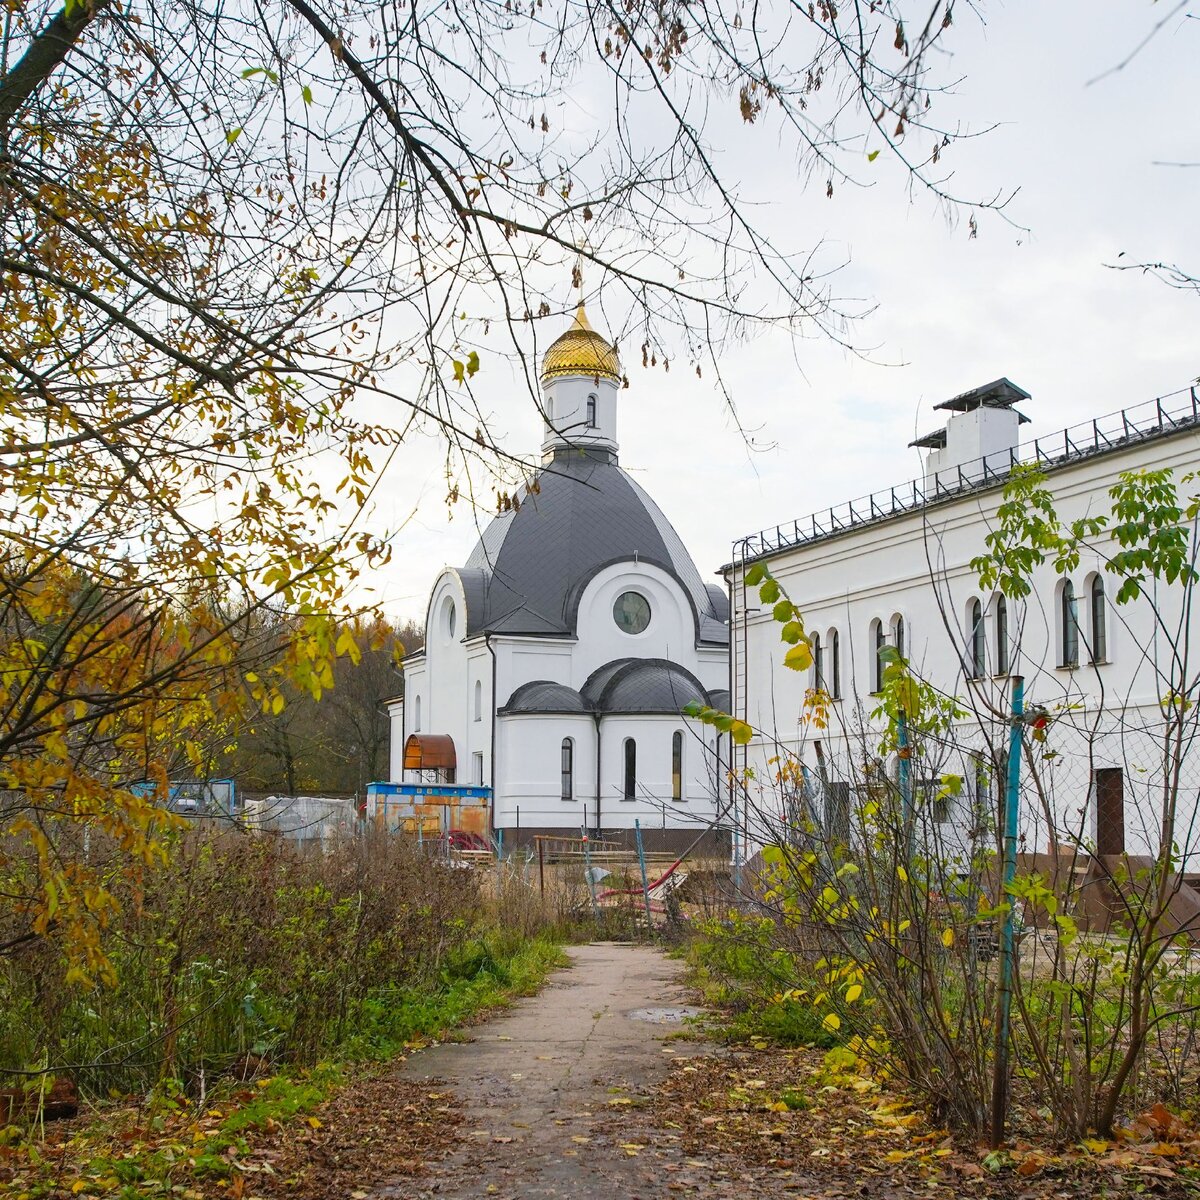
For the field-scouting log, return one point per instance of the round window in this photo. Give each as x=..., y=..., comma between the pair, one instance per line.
x=631, y=612
x=451, y=617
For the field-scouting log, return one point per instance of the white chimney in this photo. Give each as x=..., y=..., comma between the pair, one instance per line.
x=979, y=440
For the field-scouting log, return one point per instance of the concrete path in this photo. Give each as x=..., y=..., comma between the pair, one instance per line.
x=543, y=1084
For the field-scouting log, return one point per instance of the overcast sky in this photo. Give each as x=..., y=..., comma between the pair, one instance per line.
x=1036, y=304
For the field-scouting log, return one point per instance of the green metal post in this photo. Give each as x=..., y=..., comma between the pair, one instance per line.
x=1004, y=1003
x=637, y=830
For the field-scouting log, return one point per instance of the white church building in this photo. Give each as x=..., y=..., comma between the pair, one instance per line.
x=559, y=657
x=893, y=569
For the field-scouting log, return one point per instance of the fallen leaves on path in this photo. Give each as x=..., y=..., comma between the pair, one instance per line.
x=374, y=1129
x=794, y=1126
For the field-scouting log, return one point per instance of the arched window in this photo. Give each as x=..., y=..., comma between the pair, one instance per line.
x=835, y=666
x=568, y=769
x=677, y=765
x=479, y=699
x=1099, y=622
x=630, y=789
x=878, y=641
x=416, y=714
x=818, y=654
x=898, y=635
x=1001, y=636
x=591, y=412
x=1069, y=618
x=978, y=661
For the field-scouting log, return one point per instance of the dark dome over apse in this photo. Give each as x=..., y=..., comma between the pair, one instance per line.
x=532, y=564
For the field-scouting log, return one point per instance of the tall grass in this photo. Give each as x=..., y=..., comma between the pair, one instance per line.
x=243, y=949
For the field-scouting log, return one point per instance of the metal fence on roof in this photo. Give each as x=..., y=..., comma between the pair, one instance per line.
x=1167, y=414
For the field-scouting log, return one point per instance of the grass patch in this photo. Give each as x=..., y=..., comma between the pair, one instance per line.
x=482, y=976
x=170, y=1144
x=747, y=979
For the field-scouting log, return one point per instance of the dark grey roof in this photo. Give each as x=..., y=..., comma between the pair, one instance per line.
x=583, y=514
x=626, y=685
x=543, y=696
x=1000, y=393
x=719, y=699
x=642, y=685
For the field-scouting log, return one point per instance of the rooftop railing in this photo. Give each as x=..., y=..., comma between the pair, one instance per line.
x=1168, y=414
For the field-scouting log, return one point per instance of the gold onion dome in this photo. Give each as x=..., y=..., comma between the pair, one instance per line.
x=581, y=351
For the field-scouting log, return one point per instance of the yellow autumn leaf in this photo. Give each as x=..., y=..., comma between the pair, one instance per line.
x=314, y=1123
x=947, y=938
x=853, y=992
x=832, y=1022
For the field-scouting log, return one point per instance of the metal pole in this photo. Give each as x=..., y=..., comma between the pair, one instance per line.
x=587, y=870
x=541, y=865
x=904, y=753
x=637, y=832
x=1004, y=1003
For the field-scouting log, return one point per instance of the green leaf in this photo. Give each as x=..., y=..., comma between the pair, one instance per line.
x=783, y=610
x=792, y=632
x=250, y=72
x=873, y=156
x=472, y=363
x=740, y=732
x=306, y=94
x=769, y=592
x=756, y=575
x=692, y=708
x=232, y=135
x=460, y=370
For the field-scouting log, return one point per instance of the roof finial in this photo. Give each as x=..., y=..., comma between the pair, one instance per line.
x=577, y=269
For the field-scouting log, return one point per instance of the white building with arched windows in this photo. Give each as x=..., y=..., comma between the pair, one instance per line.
x=894, y=569
x=559, y=657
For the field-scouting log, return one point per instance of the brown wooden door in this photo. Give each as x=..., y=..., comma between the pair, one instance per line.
x=1110, y=810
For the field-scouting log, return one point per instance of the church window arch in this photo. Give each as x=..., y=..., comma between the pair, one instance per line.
x=978, y=643
x=1068, y=625
x=835, y=665
x=818, y=657
x=898, y=635
x=416, y=714
x=479, y=699
x=1099, y=620
x=629, y=791
x=677, y=765
x=568, y=769
x=877, y=641
x=591, y=411
x=1002, y=646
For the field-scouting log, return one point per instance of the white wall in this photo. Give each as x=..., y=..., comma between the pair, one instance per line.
x=878, y=571
x=529, y=753
x=565, y=403
x=441, y=683
x=671, y=633
x=653, y=804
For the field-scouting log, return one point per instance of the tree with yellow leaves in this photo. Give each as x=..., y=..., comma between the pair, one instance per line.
x=247, y=249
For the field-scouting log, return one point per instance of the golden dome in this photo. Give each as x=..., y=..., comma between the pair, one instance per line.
x=581, y=351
